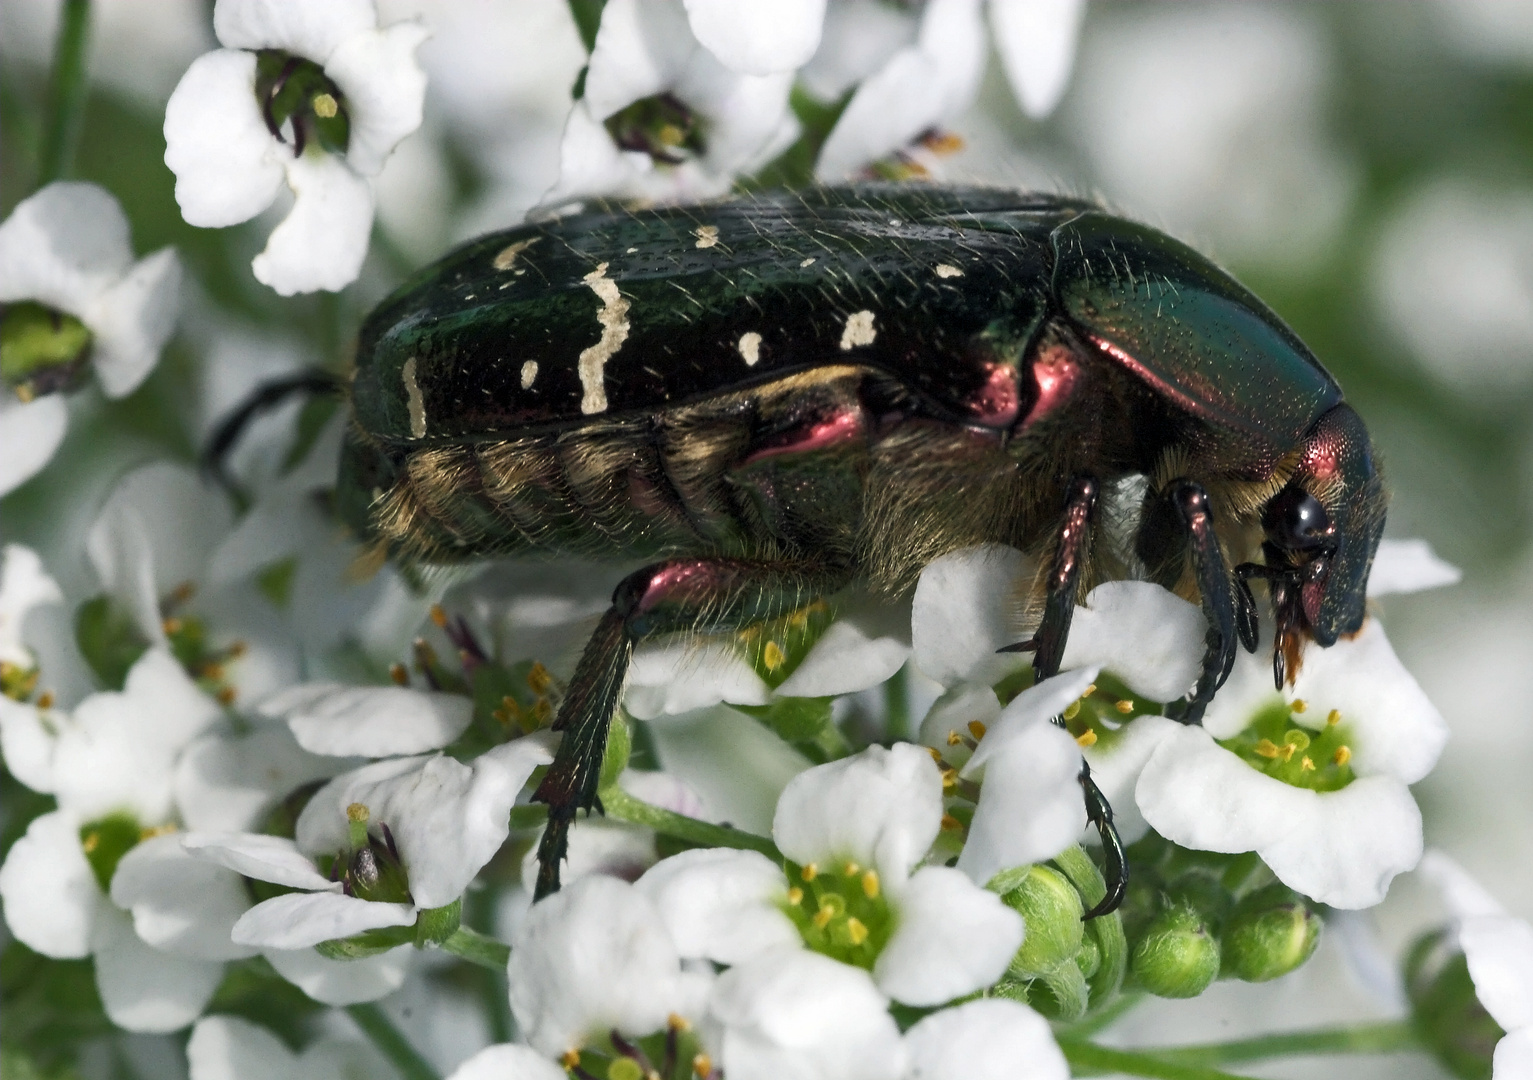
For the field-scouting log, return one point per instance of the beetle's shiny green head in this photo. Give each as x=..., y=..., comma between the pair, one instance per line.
x=1324, y=527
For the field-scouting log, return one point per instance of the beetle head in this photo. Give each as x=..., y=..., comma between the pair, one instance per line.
x=1322, y=530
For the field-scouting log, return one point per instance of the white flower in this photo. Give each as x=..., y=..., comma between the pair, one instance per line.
x=593, y=958
x=370, y=721
x=506, y=1061
x=1499, y=951
x=230, y=165
x=788, y=1012
x=990, y=1039
x=931, y=80
x=24, y=585
x=859, y=827
x=1329, y=810
x=228, y=1048
x=646, y=49
x=67, y=249
x=1405, y=566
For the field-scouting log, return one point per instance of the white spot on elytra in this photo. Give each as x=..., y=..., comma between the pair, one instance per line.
x=947, y=270
x=859, y=330
x=613, y=317
x=631, y=251
x=413, y=400
x=507, y=257
x=529, y=373
x=807, y=262
x=707, y=235
x=750, y=348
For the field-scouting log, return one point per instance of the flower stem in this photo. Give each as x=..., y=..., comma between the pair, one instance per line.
x=478, y=948
x=1380, y=1038
x=1088, y=1059
x=624, y=807
x=393, y=1045
x=66, y=99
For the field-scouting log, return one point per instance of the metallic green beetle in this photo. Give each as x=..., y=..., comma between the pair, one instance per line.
x=775, y=398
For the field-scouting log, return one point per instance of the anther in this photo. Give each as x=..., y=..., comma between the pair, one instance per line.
x=1342, y=756
x=1299, y=705
x=324, y=106
x=1306, y=764
x=226, y=696
x=45, y=700
x=399, y=674
x=1267, y=748
x=1089, y=691
x=851, y=869
x=1072, y=710
x=977, y=729
x=1125, y=706
x=538, y=678
x=951, y=824
x=795, y=896
x=172, y=626
x=949, y=778
x=702, y=1066
x=953, y=739
x=810, y=871
x=937, y=754
x=870, y=884
x=1086, y=738
x=1333, y=718
x=822, y=917
x=439, y=616
x=856, y=930
x=677, y=1022
x=773, y=656
x=570, y=1059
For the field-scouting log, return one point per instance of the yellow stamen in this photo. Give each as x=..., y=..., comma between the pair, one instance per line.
x=950, y=823
x=851, y=869
x=398, y=675
x=799, y=619
x=953, y=739
x=25, y=393
x=870, y=884
x=236, y=650
x=937, y=754
x=1125, y=706
x=324, y=106
x=226, y=696
x=438, y=616
x=773, y=656
x=949, y=778
x=172, y=626
x=91, y=842
x=149, y=832
x=856, y=930
x=702, y=1066
x=977, y=729
x=1333, y=718
x=810, y=871
x=1306, y=764
x=538, y=679
x=1072, y=710
x=795, y=896
x=570, y=1059
x=822, y=917
x=1089, y=691
x=45, y=700
x=678, y=1023
x=1342, y=756
x=1086, y=738
x=1288, y=750
x=358, y=812
x=1299, y=705
x=1267, y=748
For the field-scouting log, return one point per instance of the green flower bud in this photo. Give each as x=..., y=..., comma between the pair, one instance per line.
x=42, y=351
x=435, y=925
x=1178, y=955
x=1445, y=1011
x=1270, y=933
x=1052, y=909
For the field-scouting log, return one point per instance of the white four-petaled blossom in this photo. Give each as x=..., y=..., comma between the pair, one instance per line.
x=229, y=167
x=68, y=248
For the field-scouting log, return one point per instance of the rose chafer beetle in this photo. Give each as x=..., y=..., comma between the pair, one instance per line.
x=779, y=397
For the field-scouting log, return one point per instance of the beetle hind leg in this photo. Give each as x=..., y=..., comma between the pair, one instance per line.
x=676, y=596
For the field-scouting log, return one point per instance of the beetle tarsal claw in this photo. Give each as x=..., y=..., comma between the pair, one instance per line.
x=1030, y=645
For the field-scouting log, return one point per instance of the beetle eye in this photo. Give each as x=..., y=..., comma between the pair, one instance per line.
x=1295, y=519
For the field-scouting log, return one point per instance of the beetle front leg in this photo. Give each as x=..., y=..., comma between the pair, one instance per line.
x=1226, y=622
x=677, y=596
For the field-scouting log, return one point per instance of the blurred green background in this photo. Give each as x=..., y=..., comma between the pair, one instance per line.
x=1367, y=168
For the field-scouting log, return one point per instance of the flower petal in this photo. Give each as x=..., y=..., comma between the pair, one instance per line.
x=312, y=31
x=230, y=783
x=1499, y=950
x=641, y=49
x=1406, y=566
x=448, y=819
x=719, y=904
x=590, y=163
x=181, y=905
x=1116, y=762
x=28, y=737
x=323, y=240
x=882, y=807
x=370, y=721
x=953, y=938
x=385, y=90
x=591, y=958
x=791, y=1012
x=1037, y=703
x=143, y=989
x=965, y=608
x=1514, y=1055
x=24, y=585
x=758, y=37
x=228, y=166
x=254, y=855
x=132, y=320
x=299, y=920
x=1340, y=847
x=30, y=433
x=1029, y=805
x=63, y=246
x=665, y=680
x=598, y=846
x=228, y=1048
x=1147, y=636
x=507, y=1061
x=990, y=1039
x=1036, y=40
x=1464, y=897
x=52, y=901
x=848, y=658
x=343, y=982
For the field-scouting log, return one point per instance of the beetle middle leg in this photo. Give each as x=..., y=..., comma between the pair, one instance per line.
x=675, y=596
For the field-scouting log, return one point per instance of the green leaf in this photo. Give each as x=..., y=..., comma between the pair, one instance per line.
x=109, y=640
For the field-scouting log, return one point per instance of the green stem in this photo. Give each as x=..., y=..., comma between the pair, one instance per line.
x=1088, y=1058
x=1102, y=1018
x=624, y=807
x=66, y=97
x=478, y=948
x=387, y=1038
x=1380, y=1038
